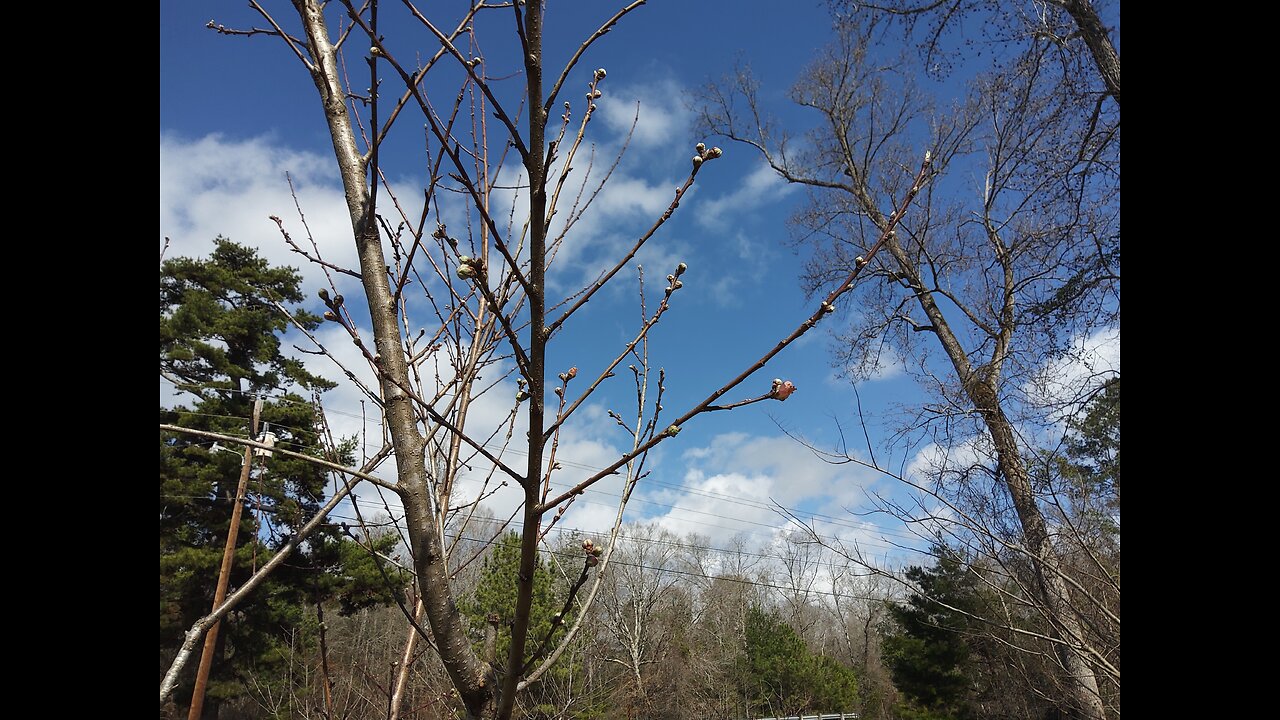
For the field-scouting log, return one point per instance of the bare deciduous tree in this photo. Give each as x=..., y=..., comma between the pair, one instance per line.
x=974, y=294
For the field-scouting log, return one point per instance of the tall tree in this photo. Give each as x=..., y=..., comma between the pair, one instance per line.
x=944, y=29
x=219, y=343
x=981, y=286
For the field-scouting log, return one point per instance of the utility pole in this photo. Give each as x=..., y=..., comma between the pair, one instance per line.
x=224, y=575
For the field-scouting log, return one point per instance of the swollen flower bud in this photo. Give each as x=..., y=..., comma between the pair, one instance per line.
x=680, y=269
x=330, y=315
x=673, y=430
x=715, y=152
x=600, y=73
x=700, y=147
x=324, y=294
x=466, y=272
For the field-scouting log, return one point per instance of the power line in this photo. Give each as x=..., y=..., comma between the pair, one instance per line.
x=753, y=504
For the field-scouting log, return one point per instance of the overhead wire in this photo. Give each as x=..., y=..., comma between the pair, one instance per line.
x=752, y=504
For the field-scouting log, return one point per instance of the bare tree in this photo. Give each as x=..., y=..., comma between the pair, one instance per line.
x=479, y=290
x=1074, y=27
x=636, y=596
x=976, y=291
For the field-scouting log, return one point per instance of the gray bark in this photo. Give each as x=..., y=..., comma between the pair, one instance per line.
x=473, y=678
x=1099, y=43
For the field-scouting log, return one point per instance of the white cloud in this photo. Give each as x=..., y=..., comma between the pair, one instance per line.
x=759, y=188
x=663, y=117
x=214, y=186
x=1070, y=377
x=731, y=486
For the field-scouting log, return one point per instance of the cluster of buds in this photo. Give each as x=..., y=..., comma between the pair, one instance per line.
x=469, y=268
x=782, y=389
x=442, y=233
x=593, y=552
x=565, y=377
x=673, y=280
x=593, y=94
x=704, y=154
x=334, y=304
x=521, y=393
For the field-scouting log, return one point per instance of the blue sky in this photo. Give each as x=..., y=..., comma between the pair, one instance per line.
x=237, y=113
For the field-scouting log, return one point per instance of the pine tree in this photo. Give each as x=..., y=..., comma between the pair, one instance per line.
x=220, y=343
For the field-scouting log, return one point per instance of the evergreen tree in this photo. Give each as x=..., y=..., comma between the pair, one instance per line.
x=496, y=594
x=220, y=342
x=1093, y=450
x=784, y=678
x=928, y=653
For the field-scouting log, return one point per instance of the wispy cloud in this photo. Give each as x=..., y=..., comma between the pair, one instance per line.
x=761, y=187
x=664, y=120
x=1066, y=380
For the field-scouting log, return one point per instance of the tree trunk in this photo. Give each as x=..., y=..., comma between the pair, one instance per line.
x=1099, y=42
x=980, y=387
x=1081, y=680
x=473, y=679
